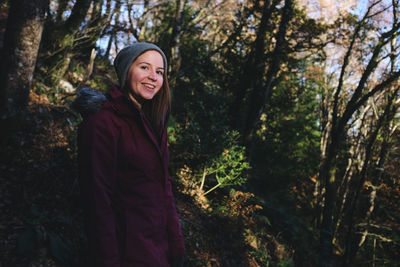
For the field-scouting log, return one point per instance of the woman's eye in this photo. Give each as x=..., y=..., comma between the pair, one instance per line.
x=144, y=67
x=160, y=72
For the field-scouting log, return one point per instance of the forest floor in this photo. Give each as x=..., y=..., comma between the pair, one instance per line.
x=41, y=219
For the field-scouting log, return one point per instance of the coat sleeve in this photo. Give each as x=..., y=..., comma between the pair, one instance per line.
x=97, y=144
x=175, y=237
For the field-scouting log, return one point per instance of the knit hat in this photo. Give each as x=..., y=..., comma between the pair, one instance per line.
x=128, y=55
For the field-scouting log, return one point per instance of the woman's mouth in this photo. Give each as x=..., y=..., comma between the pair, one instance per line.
x=149, y=86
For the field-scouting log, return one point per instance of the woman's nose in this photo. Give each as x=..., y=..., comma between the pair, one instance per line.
x=153, y=75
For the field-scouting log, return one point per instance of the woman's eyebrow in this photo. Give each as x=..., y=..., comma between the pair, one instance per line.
x=144, y=62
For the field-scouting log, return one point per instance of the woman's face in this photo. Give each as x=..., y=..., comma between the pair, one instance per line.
x=146, y=75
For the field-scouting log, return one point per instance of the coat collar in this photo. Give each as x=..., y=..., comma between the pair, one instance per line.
x=123, y=106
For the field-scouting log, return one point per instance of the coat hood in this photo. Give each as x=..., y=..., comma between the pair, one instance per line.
x=88, y=101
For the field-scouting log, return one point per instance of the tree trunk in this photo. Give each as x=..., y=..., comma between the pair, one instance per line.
x=353, y=239
x=78, y=15
x=18, y=59
x=113, y=35
x=172, y=52
x=59, y=40
x=355, y=162
x=62, y=6
x=109, y=44
x=96, y=25
x=253, y=69
x=328, y=179
x=260, y=94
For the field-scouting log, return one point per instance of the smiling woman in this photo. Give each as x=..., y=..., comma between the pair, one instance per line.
x=146, y=57
x=123, y=159
x=145, y=76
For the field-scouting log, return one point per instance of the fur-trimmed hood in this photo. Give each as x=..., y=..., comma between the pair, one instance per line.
x=88, y=101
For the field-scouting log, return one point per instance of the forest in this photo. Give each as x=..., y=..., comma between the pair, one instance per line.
x=284, y=133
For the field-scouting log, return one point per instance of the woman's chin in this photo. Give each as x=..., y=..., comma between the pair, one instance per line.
x=148, y=97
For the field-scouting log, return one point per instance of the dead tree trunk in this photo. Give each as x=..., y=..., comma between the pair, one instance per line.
x=18, y=58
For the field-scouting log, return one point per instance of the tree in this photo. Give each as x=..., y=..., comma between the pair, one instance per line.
x=368, y=174
x=343, y=104
x=261, y=92
x=21, y=44
x=254, y=84
x=60, y=37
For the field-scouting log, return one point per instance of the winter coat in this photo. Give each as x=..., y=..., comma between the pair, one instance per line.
x=123, y=167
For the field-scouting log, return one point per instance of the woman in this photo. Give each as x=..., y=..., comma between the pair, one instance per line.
x=123, y=158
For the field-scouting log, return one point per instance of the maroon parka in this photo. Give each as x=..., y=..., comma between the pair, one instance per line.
x=131, y=215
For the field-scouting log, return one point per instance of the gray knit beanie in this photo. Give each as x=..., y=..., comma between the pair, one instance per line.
x=128, y=55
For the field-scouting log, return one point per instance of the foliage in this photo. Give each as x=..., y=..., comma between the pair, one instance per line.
x=228, y=169
x=221, y=55
x=289, y=131
x=198, y=104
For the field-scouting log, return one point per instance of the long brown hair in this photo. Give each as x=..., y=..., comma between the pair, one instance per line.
x=157, y=109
